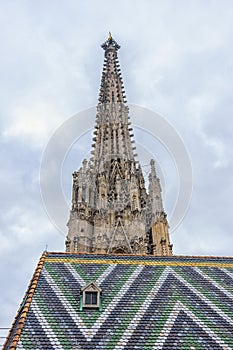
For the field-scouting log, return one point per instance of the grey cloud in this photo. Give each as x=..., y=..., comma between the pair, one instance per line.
x=172, y=54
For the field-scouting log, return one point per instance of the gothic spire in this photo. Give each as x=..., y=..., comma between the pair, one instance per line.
x=111, y=209
x=111, y=88
x=155, y=190
x=113, y=134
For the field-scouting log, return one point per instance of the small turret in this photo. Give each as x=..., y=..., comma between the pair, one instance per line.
x=157, y=216
x=155, y=191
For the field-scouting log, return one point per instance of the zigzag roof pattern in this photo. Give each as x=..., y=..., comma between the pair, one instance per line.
x=147, y=303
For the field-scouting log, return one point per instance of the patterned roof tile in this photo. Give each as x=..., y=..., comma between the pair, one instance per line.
x=147, y=303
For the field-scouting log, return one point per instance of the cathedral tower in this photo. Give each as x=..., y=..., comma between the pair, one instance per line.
x=112, y=212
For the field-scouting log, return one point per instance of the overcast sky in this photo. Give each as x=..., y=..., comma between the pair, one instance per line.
x=176, y=60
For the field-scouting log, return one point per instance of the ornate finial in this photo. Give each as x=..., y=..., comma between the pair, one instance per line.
x=152, y=162
x=109, y=36
x=110, y=43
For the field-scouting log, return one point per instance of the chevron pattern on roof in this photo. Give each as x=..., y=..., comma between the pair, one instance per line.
x=147, y=303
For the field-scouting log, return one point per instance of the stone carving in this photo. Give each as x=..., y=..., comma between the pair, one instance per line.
x=111, y=209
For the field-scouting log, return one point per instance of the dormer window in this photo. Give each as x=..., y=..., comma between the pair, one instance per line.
x=90, y=297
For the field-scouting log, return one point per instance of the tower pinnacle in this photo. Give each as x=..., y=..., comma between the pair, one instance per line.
x=110, y=43
x=111, y=87
x=111, y=209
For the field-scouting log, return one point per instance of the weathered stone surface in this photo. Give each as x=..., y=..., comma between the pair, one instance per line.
x=111, y=209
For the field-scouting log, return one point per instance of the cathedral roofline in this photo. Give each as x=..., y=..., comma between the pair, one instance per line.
x=165, y=257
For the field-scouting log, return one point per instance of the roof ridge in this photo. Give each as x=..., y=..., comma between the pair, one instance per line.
x=145, y=255
x=23, y=308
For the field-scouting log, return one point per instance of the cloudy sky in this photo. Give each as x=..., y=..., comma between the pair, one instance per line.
x=176, y=60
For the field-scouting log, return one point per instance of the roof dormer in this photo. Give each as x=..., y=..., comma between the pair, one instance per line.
x=91, y=297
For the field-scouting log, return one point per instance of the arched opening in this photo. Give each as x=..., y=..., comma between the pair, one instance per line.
x=120, y=250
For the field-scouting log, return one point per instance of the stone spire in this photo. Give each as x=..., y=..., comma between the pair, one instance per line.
x=158, y=224
x=111, y=87
x=111, y=210
x=112, y=134
x=155, y=191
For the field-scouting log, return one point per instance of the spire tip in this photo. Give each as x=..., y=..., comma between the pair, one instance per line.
x=110, y=43
x=109, y=36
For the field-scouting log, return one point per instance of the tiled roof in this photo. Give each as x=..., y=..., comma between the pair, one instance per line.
x=147, y=303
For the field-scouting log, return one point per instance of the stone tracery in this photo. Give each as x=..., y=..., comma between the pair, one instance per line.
x=111, y=209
